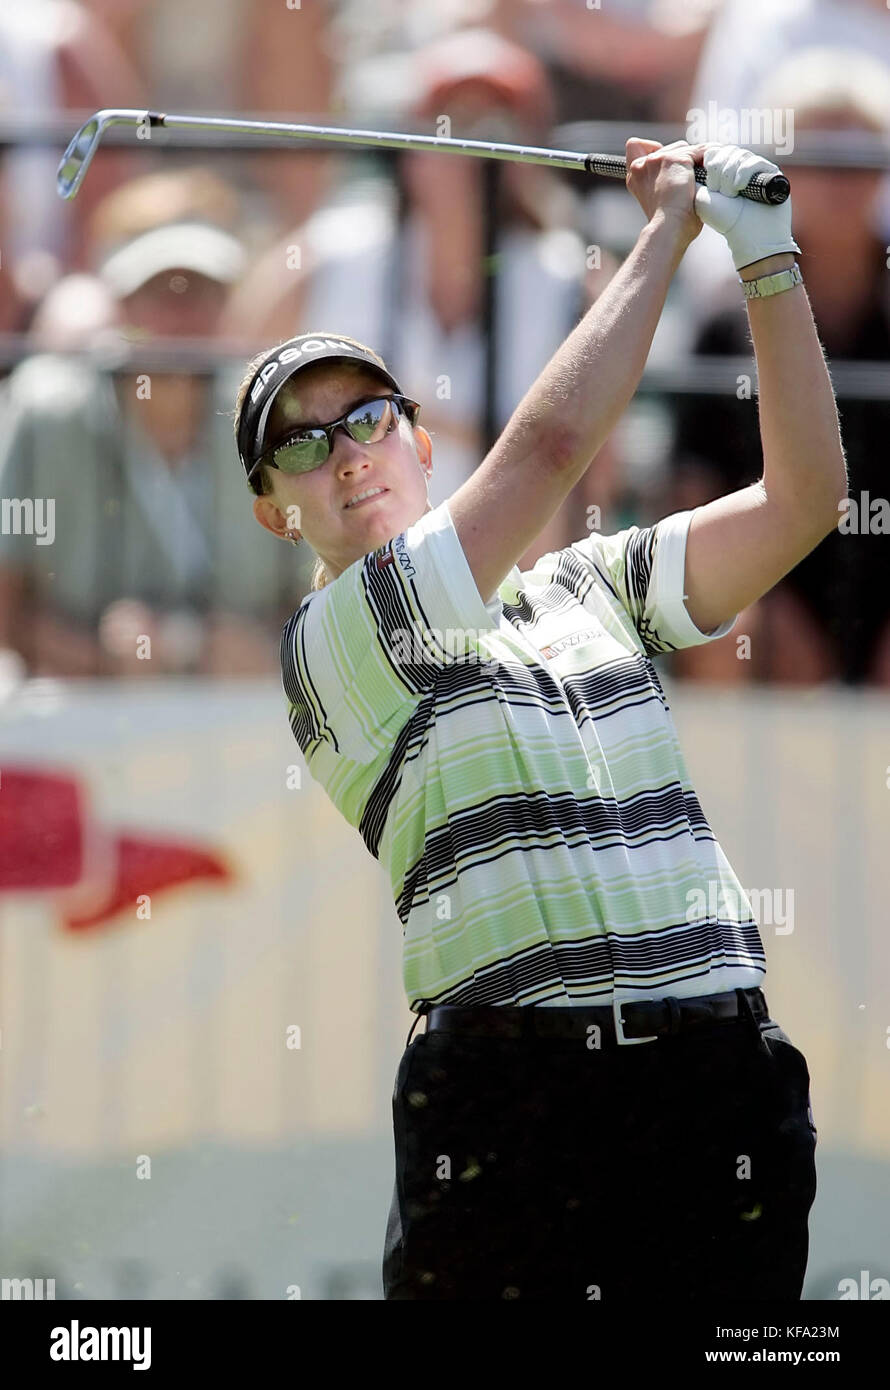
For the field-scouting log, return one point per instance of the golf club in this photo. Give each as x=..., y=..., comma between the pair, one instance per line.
x=772, y=189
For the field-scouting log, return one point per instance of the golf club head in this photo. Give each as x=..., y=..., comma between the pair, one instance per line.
x=76, y=159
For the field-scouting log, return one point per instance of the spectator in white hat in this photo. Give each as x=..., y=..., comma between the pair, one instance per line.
x=149, y=528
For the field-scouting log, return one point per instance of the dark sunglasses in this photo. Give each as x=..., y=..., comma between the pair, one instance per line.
x=367, y=423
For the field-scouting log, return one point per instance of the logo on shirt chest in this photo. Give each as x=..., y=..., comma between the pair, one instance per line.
x=574, y=639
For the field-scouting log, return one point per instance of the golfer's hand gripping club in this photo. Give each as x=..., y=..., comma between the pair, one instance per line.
x=765, y=184
x=659, y=177
x=752, y=231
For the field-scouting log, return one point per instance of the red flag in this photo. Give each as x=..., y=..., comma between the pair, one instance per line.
x=49, y=842
x=146, y=867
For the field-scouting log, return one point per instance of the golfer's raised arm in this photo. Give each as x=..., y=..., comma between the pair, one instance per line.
x=741, y=545
x=565, y=417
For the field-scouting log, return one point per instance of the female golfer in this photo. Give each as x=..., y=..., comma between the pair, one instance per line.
x=600, y=1106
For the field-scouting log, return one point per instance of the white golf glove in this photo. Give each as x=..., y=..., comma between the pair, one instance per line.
x=752, y=230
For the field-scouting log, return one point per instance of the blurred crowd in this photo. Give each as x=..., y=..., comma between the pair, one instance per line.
x=127, y=314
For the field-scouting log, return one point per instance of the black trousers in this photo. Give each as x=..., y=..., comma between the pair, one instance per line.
x=538, y=1168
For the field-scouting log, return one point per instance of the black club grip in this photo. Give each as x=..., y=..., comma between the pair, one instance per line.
x=763, y=188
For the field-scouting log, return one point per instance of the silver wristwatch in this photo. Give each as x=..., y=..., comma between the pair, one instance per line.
x=765, y=285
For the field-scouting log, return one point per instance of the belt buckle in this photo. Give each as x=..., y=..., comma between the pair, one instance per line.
x=619, y=1024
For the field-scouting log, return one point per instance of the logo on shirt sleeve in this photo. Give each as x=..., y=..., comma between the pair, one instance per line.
x=395, y=550
x=403, y=557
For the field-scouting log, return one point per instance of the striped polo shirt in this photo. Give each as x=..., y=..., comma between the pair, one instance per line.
x=515, y=767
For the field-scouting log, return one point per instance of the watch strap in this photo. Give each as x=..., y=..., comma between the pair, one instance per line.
x=766, y=285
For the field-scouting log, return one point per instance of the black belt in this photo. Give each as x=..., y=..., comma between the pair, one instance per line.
x=639, y=1020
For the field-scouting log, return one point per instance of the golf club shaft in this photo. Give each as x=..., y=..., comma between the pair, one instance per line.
x=762, y=188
